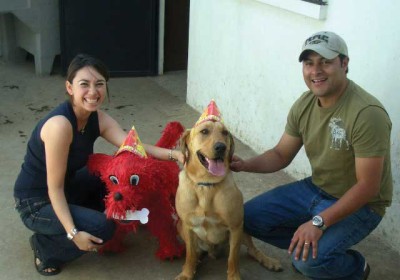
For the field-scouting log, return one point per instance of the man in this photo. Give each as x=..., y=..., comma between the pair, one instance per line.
x=346, y=135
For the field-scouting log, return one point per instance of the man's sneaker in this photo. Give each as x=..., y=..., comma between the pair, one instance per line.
x=366, y=271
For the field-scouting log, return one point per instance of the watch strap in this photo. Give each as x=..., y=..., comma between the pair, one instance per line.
x=323, y=227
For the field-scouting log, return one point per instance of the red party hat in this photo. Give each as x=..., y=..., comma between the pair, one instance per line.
x=211, y=113
x=132, y=144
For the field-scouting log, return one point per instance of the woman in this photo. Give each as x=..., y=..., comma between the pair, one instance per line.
x=55, y=195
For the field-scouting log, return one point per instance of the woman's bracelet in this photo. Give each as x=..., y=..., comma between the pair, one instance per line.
x=170, y=157
x=71, y=235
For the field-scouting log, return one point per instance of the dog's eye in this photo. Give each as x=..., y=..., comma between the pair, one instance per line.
x=204, y=131
x=225, y=132
x=114, y=179
x=134, y=180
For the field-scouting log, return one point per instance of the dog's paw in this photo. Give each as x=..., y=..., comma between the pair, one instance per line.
x=235, y=276
x=183, y=277
x=274, y=265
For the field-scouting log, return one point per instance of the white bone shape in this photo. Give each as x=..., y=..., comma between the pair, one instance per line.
x=138, y=215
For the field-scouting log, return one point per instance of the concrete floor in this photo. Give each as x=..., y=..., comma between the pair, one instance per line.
x=148, y=103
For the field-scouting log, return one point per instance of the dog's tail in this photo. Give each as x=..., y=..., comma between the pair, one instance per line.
x=266, y=261
x=171, y=135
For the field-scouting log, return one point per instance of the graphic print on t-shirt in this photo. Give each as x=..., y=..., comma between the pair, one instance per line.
x=338, y=134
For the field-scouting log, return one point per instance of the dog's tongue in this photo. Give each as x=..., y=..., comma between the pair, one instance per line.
x=216, y=167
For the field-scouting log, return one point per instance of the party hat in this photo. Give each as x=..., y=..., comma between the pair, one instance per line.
x=211, y=113
x=132, y=144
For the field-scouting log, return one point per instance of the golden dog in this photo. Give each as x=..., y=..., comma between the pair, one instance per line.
x=208, y=202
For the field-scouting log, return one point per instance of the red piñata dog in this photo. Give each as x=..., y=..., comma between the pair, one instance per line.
x=141, y=189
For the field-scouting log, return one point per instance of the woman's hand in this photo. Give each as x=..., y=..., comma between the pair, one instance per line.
x=87, y=242
x=178, y=155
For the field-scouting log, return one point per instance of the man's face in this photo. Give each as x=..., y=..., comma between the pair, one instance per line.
x=326, y=78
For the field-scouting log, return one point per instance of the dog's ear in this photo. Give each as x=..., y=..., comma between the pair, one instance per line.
x=231, y=147
x=184, y=145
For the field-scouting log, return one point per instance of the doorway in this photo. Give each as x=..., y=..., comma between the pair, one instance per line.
x=122, y=33
x=176, y=35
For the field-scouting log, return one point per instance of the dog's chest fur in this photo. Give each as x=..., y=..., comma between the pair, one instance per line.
x=205, y=211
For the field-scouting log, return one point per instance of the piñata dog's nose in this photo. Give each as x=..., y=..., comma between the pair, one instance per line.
x=117, y=196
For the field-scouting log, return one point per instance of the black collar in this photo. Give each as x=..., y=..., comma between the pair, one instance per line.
x=205, y=184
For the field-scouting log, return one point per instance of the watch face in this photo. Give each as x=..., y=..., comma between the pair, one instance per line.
x=317, y=221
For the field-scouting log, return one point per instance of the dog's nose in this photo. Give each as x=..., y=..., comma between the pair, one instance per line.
x=220, y=148
x=117, y=196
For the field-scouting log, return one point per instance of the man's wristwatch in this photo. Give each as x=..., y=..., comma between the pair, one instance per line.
x=319, y=222
x=72, y=233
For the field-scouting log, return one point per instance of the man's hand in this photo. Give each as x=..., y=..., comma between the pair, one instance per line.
x=306, y=236
x=236, y=164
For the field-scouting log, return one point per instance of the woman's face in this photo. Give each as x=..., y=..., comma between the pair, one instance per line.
x=87, y=90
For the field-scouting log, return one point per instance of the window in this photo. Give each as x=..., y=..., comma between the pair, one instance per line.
x=312, y=8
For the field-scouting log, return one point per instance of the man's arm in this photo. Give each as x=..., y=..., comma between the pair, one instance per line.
x=369, y=174
x=272, y=160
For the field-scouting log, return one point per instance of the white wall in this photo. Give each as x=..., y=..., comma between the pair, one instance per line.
x=244, y=54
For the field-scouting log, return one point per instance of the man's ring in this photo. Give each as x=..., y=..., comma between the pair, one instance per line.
x=94, y=250
x=306, y=243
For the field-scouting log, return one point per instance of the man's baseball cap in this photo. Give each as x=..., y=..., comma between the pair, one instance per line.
x=325, y=43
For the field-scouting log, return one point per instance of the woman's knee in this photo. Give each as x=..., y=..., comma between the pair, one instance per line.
x=108, y=230
x=93, y=222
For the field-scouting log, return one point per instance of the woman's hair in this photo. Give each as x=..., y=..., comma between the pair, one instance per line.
x=84, y=60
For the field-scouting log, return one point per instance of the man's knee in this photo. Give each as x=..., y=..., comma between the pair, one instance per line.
x=311, y=267
x=251, y=219
x=321, y=267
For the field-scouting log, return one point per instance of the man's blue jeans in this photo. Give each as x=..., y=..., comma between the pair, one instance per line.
x=274, y=216
x=84, y=196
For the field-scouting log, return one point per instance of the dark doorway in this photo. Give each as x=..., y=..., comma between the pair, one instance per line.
x=176, y=35
x=122, y=33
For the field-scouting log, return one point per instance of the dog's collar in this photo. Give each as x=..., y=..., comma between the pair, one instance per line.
x=205, y=184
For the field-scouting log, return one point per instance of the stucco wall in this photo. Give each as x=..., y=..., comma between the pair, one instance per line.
x=243, y=53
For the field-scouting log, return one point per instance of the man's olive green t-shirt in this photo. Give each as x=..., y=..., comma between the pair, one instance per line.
x=357, y=126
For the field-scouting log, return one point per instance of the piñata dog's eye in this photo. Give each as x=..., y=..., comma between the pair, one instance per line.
x=114, y=179
x=134, y=180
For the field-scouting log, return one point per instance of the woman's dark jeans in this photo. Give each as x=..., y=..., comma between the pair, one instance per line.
x=85, y=195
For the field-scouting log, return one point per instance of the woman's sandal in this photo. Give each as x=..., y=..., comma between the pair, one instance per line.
x=41, y=267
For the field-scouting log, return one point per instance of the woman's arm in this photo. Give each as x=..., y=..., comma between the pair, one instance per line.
x=111, y=131
x=57, y=137
x=56, y=134
x=164, y=154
